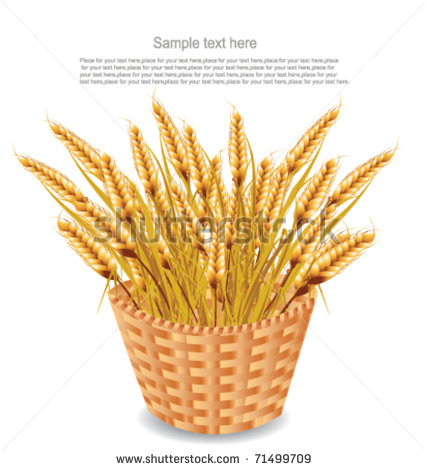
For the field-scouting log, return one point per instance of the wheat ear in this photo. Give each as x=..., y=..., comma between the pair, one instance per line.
x=54, y=180
x=279, y=185
x=316, y=191
x=239, y=162
x=237, y=149
x=338, y=257
x=185, y=209
x=360, y=177
x=217, y=188
x=348, y=188
x=95, y=254
x=69, y=192
x=182, y=203
x=146, y=168
x=216, y=260
x=164, y=253
x=79, y=148
x=229, y=229
x=310, y=141
x=118, y=189
x=262, y=184
x=309, y=238
x=334, y=258
x=196, y=159
x=172, y=139
x=136, y=273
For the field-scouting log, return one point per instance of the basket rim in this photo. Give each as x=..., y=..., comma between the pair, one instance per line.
x=307, y=301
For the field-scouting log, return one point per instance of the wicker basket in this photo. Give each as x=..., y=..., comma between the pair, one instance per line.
x=213, y=380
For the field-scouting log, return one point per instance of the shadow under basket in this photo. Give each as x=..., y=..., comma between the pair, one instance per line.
x=213, y=380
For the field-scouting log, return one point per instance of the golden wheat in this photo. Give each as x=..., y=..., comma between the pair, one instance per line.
x=237, y=149
x=53, y=179
x=147, y=171
x=79, y=148
x=177, y=272
x=143, y=160
x=69, y=192
x=310, y=141
x=309, y=238
x=136, y=273
x=172, y=139
x=198, y=168
x=316, y=191
x=262, y=184
x=185, y=209
x=216, y=260
x=118, y=189
x=229, y=228
x=360, y=177
x=337, y=258
x=217, y=188
x=334, y=258
x=348, y=188
x=279, y=186
x=164, y=253
x=95, y=254
x=239, y=162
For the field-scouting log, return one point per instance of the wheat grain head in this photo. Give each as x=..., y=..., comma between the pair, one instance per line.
x=79, y=148
x=262, y=184
x=172, y=139
x=93, y=253
x=216, y=260
x=302, y=152
x=279, y=186
x=316, y=191
x=196, y=159
x=360, y=177
x=237, y=149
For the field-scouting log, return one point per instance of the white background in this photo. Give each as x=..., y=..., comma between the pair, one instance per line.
x=68, y=396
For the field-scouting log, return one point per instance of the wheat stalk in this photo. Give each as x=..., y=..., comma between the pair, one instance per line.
x=79, y=148
x=164, y=253
x=53, y=179
x=279, y=185
x=136, y=273
x=302, y=152
x=217, y=190
x=143, y=160
x=337, y=258
x=179, y=198
x=216, y=260
x=185, y=209
x=262, y=184
x=172, y=139
x=237, y=149
x=118, y=189
x=229, y=229
x=95, y=254
x=334, y=258
x=146, y=169
x=316, y=191
x=196, y=158
x=239, y=162
x=359, y=178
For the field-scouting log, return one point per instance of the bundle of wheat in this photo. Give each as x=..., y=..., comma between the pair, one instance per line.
x=185, y=235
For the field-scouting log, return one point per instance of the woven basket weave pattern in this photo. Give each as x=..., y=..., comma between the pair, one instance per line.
x=213, y=380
